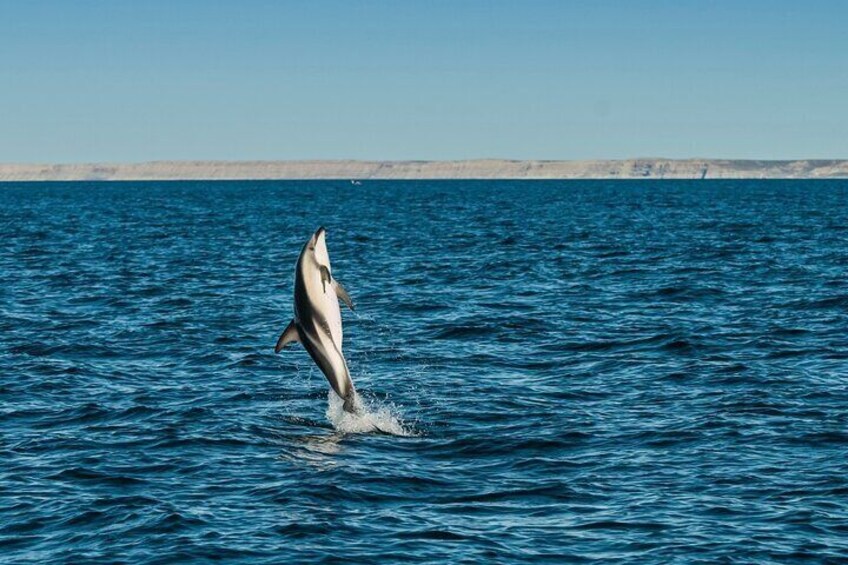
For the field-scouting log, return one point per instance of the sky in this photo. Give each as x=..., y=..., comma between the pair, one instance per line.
x=119, y=81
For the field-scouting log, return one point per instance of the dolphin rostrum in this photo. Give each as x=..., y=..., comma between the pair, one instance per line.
x=317, y=322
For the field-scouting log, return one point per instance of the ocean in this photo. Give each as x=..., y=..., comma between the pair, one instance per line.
x=572, y=371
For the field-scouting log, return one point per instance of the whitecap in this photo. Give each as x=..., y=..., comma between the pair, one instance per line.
x=372, y=416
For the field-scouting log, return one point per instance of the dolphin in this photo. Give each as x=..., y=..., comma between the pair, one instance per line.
x=317, y=322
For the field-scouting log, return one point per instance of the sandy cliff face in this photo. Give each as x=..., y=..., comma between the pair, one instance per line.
x=474, y=169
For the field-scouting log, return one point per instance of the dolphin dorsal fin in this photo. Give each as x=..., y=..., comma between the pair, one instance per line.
x=289, y=335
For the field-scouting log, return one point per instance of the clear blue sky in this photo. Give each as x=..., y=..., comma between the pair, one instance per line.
x=118, y=80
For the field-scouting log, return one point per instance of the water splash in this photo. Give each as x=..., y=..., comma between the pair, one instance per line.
x=373, y=416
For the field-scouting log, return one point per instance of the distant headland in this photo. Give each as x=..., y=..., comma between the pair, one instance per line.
x=470, y=169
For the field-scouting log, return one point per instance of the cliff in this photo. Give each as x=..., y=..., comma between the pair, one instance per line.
x=472, y=169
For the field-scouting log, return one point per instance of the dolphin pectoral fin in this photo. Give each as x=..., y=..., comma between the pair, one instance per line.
x=342, y=293
x=289, y=335
x=326, y=277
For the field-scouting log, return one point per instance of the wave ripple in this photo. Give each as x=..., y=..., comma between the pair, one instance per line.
x=629, y=372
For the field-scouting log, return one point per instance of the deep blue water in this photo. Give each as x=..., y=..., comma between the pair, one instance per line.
x=623, y=371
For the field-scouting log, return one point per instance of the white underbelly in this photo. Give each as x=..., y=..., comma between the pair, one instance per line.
x=333, y=315
x=326, y=304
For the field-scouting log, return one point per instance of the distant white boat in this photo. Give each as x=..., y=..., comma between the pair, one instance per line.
x=355, y=182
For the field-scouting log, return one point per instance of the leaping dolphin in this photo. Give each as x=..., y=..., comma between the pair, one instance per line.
x=317, y=322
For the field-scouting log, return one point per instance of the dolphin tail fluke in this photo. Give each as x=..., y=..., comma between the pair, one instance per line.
x=351, y=404
x=289, y=335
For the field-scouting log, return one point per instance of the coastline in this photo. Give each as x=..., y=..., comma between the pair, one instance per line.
x=412, y=170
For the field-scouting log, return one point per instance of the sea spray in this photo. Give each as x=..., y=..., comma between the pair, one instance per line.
x=373, y=416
